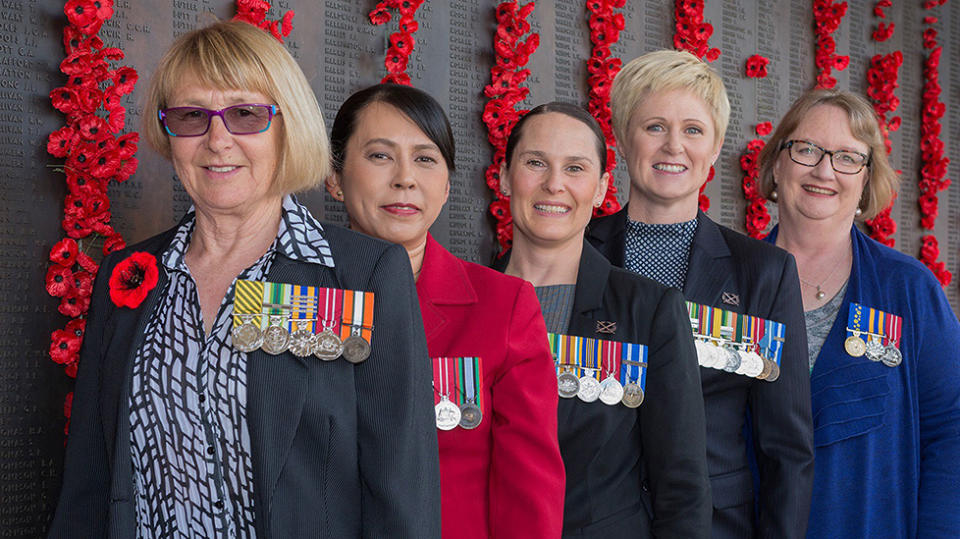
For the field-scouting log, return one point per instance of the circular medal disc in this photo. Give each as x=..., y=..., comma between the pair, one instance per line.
x=874, y=350
x=774, y=372
x=855, y=346
x=448, y=414
x=632, y=395
x=611, y=391
x=754, y=364
x=470, y=415
x=246, y=337
x=568, y=384
x=301, y=342
x=702, y=353
x=275, y=340
x=356, y=349
x=892, y=356
x=328, y=346
x=745, y=362
x=733, y=360
x=589, y=389
x=766, y=369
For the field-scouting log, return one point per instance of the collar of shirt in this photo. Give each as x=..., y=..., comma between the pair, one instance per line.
x=299, y=237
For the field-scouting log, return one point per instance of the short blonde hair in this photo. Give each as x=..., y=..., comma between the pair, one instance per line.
x=882, y=181
x=238, y=56
x=666, y=70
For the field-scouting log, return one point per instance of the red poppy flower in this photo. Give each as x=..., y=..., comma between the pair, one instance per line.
x=64, y=346
x=80, y=13
x=64, y=253
x=59, y=281
x=703, y=202
x=65, y=100
x=129, y=166
x=83, y=283
x=88, y=99
x=70, y=369
x=124, y=79
x=713, y=54
x=132, y=279
x=74, y=227
x=841, y=62
x=60, y=141
x=764, y=128
x=105, y=165
x=894, y=123
x=883, y=32
x=87, y=263
x=74, y=304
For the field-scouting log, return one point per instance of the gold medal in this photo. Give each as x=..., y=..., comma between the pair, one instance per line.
x=774, y=372
x=632, y=395
x=855, y=346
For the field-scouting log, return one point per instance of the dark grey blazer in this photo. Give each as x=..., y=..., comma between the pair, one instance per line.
x=729, y=270
x=338, y=450
x=627, y=475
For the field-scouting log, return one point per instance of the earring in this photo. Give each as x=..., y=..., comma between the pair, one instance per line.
x=858, y=213
x=774, y=195
x=339, y=193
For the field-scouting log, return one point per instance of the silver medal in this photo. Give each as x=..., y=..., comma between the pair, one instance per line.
x=892, y=356
x=744, y=362
x=702, y=353
x=755, y=364
x=247, y=337
x=589, y=389
x=301, y=342
x=611, y=391
x=328, y=346
x=874, y=350
x=568, y=384
x=733, y=360
x=276, y=339
x=448, y=414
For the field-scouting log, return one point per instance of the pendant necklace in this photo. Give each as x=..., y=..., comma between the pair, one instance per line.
x=820, y=293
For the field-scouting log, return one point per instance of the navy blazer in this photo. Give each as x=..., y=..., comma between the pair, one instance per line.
x=634, y=473
x=729, y=270
x=338, y=450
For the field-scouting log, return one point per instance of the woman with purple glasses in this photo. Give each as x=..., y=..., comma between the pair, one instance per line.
x=196, y=416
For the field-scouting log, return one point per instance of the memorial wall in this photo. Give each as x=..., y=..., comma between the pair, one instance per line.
x=341, y=51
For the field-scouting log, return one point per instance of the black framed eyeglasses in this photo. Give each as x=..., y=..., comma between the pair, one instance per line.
x=243, y=119
x=808, y=154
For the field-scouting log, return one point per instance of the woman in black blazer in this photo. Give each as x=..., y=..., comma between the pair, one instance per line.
x=670, y=111
x=630, y=472
x=183, y=425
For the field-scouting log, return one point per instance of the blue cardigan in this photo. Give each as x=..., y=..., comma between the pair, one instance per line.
x=888, y=439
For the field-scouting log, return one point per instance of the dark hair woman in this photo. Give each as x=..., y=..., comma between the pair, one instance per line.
x=500, y=468
x=631, y=472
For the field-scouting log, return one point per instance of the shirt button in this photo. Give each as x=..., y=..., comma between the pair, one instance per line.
x=218, y=504
x=202, y=397
x=210, y=450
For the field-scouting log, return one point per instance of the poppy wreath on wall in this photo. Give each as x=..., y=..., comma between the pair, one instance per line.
x=692, y=33
x=255, y=13
x=881, y=85
x=826, y=19
x=511, y=54
x=605, y=27
x=934, y=163
x=401, y=42
x=95, y=154
x=756, y=217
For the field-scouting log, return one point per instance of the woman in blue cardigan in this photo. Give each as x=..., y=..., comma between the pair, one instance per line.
x=884, y=343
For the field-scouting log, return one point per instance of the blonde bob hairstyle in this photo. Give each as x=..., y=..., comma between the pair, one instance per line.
x=882, y=182
x=238, y=56
x=666, y=70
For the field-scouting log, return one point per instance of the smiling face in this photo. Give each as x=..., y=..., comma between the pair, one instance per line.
x=820, y=192
x=670, y=145
x=554, y=180
x=394, y=180
x=223, y=172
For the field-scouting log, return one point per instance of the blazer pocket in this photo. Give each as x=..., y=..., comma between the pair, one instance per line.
x=732, y=489
x=849, y=401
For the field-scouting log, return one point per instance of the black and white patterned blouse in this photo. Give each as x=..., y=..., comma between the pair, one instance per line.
x=660, y=252
x=189, y=440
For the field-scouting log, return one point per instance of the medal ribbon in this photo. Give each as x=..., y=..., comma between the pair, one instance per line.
x=854, y=319
x=893, y=329
x=633, y=365
x=357, y=314
x=470, y=375
x=247, y=299
x=329, y=309
x=591, y=357
x=302, y=301
x=441, y=378
x=776, y=331
x=611, y=356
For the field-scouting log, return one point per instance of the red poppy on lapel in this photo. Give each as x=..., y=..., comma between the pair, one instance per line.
x=132, y=279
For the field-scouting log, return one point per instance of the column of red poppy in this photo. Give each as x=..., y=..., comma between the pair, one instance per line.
x=605, y=27
x=881, y=83
x=756, y=217
x=95, y=154
x=401, y=41
x=934, y=167
x=826, y=19
x=500, y=113
x=692, y=34
x=255, y=13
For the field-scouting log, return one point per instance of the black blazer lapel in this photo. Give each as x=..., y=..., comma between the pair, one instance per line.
x=592, y=277
x=710, y=268
x=608, y=235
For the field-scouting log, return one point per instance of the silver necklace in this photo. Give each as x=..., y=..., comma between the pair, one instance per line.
x=820, y=293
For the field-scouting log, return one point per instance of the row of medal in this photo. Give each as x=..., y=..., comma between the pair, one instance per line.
x=737, y=343
x=304, y=320
x=882, y=331
x=596, y=369
x=456, y=386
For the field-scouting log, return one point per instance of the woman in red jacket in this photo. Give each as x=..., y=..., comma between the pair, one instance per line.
x=494, y=384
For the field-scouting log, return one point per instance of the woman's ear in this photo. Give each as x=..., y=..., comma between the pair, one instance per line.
x=602, y=190
x=333, y=186
x=504, y=184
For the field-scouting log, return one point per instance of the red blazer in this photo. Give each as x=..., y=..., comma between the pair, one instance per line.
x=504, y=478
